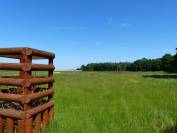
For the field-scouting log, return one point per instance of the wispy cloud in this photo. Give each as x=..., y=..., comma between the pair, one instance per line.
x=111, y=22
x=125, y=25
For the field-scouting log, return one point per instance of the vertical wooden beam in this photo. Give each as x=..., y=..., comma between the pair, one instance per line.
x=37, y=128
x=50, y=71
x=48, y=114
x=50, y=97
x=21, y=126
x=25, y=75
x=1, y=125
x=45, y=118
x=50, y=74
x=29, y=125
x=9, y=125
x=26, y=58
x=51, y=113
x=26, y=123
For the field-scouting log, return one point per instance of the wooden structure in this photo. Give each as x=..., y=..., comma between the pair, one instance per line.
x=29, y=119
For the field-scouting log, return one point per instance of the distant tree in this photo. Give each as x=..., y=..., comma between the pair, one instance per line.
x=84, y=68
x=175, y=61
x=156, y=65
x=143, y=64
x=168, y=63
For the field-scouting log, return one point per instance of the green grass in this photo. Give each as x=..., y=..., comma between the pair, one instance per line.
x=107, y=102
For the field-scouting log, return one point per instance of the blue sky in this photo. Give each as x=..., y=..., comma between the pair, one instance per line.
x=84, y=31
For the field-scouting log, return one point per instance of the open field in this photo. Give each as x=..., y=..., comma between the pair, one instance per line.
x=106, y=102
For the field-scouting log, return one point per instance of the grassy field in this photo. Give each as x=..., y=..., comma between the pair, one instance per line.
x=107, y=102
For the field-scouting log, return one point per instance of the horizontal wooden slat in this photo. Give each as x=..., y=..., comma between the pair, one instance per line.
x=44, y=80
x=17, y=52
x=37, y=95
x=20, y=56
x=41, y=53
x=12, y=113
x=42, y=67
x=28, y=98
x=25, y=66
x=12, y=97
x=27, y=82
x=14, y=66
x=12, y=81
x=8, y=51
x=39, y=109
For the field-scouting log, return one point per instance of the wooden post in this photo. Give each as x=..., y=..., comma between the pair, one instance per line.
x=37, y=128
x=29, y=125
x=51, y=113
x=50, y=74
x=45, y=118
x=21, y=126
x=1, y=125
x=26, y=75
x=9, y=125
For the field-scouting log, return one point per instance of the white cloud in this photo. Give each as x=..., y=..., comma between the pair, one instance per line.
x=111, y=22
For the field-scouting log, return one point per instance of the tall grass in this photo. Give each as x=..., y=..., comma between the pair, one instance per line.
x=107, y=102
x=92, y=102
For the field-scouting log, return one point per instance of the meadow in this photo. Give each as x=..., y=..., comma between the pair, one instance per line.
x=110, y=102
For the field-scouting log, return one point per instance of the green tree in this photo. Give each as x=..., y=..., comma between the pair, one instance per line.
x=168, y=63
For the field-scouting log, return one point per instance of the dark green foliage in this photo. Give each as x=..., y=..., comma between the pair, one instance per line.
x=167, y=63
x=106, y=66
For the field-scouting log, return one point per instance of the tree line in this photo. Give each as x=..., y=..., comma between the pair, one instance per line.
x=167, y=63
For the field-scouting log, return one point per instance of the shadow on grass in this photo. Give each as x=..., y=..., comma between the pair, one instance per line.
x=161, y=76
x=170, y=129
